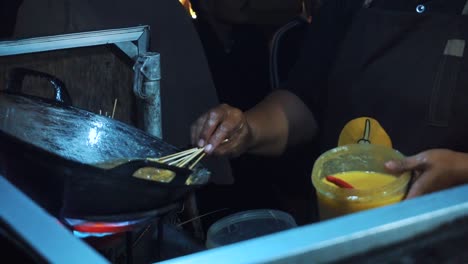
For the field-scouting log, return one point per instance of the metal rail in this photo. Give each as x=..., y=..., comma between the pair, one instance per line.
x=42, y=232
x=124, y=39
x=133, y=41
x=344, y=237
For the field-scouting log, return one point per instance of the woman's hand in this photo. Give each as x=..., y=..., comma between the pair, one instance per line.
x=223, y=130
x=433, y=170
x=281, y=119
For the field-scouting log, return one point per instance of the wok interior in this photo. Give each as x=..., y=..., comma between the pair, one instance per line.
x=160, y=172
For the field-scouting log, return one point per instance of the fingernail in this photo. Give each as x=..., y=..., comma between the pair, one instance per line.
x=201, y=143
x=390, y=165
x=209, y=148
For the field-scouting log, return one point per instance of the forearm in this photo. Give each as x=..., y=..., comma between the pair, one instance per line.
x=279, y=121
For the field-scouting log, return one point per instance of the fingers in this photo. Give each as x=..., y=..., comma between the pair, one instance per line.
x=417, y=188
x=212, y=128
x=227, y=129
x=234, y=146
x=427, y=182
x=436, y=172
x=416, y=162
x=434, y=169
x=413, y=163
x=204, y=127
x=196, y=129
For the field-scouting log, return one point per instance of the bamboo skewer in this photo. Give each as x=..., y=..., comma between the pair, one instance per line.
x=188, y=157
x=183, y=158
x=176, y=155
x=197, y=160
x=113, y=110
x=181, y=162
x=191, y=157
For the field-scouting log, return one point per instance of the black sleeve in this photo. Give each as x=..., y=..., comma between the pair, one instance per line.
x=309, y=76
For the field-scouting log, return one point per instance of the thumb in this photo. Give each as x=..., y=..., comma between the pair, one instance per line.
x=405, y=164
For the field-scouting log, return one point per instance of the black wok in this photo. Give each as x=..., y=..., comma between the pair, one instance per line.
x=54, y=152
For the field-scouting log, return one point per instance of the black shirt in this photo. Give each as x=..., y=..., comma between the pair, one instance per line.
x=309, y=78
x=328, y=29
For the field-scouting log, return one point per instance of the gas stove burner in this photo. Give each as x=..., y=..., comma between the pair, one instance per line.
x=116, y=240
x=109, y=225
x=83, y=228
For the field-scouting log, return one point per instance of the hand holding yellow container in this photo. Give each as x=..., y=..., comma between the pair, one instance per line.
x=361, y=166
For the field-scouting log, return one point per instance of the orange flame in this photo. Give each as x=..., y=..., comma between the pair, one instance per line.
x=188, y=6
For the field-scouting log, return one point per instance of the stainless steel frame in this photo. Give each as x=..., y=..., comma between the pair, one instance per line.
x=123, y=38
x=133, y=41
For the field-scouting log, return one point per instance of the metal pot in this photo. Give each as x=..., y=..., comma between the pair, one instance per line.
x=54, y=152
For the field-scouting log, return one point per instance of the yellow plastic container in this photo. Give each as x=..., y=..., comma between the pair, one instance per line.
x=361, y=165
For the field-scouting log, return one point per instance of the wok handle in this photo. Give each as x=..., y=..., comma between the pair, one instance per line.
x=17, y=75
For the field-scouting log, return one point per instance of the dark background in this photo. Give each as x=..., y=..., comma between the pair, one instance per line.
x=8, y=11
x=241, y=78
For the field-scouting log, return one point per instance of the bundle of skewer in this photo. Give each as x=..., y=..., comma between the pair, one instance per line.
x=183, y=159
x=113, y=110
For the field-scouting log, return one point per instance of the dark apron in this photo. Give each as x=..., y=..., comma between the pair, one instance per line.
x=407, y=70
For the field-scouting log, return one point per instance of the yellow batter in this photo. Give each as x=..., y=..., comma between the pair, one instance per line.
x=363, y=180
x=345, y=201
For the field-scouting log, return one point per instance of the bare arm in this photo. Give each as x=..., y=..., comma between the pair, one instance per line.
x=279, y=121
